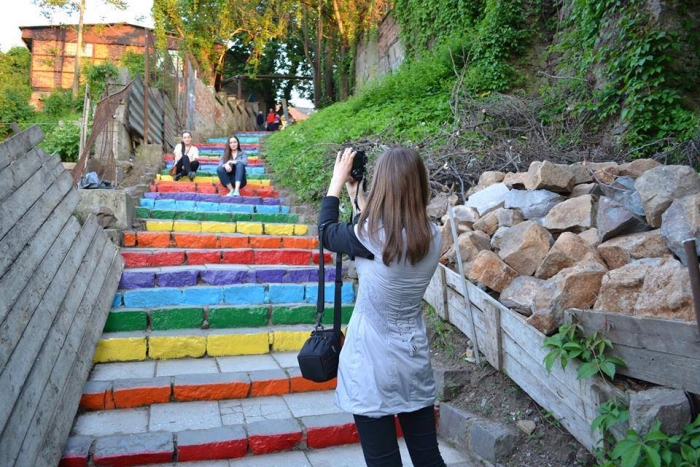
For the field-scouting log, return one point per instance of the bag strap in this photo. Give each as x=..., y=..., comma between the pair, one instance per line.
x=321, y=296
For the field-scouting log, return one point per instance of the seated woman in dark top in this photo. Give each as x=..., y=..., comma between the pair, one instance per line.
x=231, y=170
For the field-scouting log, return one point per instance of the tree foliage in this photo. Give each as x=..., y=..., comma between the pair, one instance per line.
x=317, y=35
x=15, y=89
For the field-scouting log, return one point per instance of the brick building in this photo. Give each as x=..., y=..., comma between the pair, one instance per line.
x=54, y=48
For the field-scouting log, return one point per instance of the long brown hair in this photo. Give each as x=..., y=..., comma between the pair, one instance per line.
x=397, y=203
x=227, y=149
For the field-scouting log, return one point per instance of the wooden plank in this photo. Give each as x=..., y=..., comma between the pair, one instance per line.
x=60, y=425
x=15, y=147
x=17, y=350
x=58, y=197
x=660, y=351
x=72, y=325
x=549, y=395
x=17, y=174
x=30, y=258
x=21, y=200
x=493, y=345
x=660, y=335
x=36, y=355
x=436, y=293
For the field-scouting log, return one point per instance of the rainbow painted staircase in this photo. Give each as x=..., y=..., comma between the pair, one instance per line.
x=197, y=361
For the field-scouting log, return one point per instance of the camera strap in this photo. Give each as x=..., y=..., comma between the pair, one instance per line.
x=321, y=296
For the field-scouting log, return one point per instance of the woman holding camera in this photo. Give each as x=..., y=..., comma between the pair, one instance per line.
x=231, y=170
x=384, y=367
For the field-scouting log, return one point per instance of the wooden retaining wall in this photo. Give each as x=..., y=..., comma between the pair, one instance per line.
x=511, y=345
x=660, y=351
x=57, y=283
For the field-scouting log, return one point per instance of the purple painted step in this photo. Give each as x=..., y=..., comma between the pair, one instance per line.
x=184, y=276
x=190, y=196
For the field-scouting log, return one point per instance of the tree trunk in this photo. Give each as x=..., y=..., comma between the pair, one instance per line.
x=329, y=88
x=317, y=58
x=78, y=52
x=344, y=73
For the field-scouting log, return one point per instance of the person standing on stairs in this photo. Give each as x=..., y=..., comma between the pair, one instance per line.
x=231, y=169
x=384, y=366
x=186, y=156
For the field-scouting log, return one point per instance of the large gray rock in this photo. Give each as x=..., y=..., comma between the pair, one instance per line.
x=489, y=199
x=622, y=190
x=489, y=223
x=669, y=406
x=532, y=204
x=470, y=244
x=658, y=187
x=437, y=207
x=524, y=246
x=614, y=219
x=527, y=294
x=681, y=222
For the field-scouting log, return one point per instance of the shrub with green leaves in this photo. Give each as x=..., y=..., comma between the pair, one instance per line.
x=63, y=140
x=98, y=76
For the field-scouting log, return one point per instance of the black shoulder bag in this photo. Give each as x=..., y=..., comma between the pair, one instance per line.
x=318, y=358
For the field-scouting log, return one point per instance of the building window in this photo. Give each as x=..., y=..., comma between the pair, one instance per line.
x=72, y=46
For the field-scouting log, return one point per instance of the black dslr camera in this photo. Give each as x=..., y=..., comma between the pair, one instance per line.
x=359, y=165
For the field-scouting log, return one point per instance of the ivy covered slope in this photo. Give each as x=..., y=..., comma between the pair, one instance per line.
x=617, y=76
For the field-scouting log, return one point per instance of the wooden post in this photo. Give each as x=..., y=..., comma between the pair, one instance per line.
x=146, y=80
x=465, y=289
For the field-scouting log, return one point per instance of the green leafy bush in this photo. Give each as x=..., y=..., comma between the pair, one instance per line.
x=63, y=140
x=134, y=62
x=60, y=104
x=98, y=76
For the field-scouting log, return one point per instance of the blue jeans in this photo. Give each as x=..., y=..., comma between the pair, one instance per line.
x=230, y=178
x=381, y=448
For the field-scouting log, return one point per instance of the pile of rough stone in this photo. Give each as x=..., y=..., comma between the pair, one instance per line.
x=602, y=236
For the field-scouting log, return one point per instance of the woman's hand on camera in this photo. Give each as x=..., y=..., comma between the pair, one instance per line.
x=341, y=172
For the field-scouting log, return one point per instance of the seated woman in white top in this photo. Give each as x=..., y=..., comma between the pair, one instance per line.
x=186, y=156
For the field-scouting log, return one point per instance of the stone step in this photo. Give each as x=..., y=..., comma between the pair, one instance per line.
x=135, y=384
x=209, y=430
x=212, y=197
x=242, y=227
x=292, y=429
x=142, y=239
x=196, y=343
x=348, y=455
x=223, y=213
x=217, y=317
x=185, y=186
x=231, y=204
x=235, y=294
x=157, y=257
